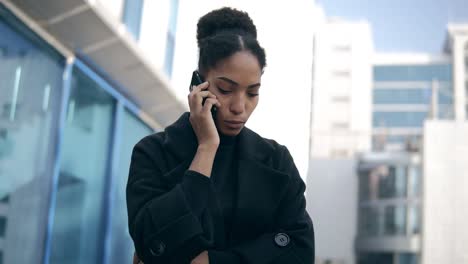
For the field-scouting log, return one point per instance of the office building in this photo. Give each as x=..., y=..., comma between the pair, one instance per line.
x=445, y=167
x=404, y=87
x=77, y=91
x=412, y=201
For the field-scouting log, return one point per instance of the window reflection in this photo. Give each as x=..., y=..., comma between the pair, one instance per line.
x=415, y=219
x=369, y=221
x=133, y=129
x=395, y=220
x=77, y=231
x=30, y=85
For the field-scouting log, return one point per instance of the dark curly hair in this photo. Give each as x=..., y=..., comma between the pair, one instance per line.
x=223, y=32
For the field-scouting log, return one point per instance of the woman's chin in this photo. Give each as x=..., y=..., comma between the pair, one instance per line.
x=230, y=131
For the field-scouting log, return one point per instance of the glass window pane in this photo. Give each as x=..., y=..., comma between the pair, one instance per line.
x=132, y=16
x=441, y=72
x=369, y=221
x=122, y=248
x=364, y=186
x=375, y=258
x=415, y=219
x=402, y=96
x=169, y=57
x=392, y=182
x=407, y=258
x=395, y=220
x=77, y=231
x=30, y=90
x=414, y=173
x=399, y=119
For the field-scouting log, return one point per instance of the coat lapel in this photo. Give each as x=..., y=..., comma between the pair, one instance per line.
x=260, y=186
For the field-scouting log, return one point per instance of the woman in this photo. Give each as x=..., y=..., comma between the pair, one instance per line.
x=208, y=189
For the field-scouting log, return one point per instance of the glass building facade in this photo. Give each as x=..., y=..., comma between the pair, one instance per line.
x=389, y=224
x=402, y=101
x=66, y=137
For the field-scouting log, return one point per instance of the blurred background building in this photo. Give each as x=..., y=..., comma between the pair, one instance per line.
x=379, y=138
x=393, y=192
x=340, y=128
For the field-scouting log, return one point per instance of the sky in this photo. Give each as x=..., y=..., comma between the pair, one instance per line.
x=402, y=25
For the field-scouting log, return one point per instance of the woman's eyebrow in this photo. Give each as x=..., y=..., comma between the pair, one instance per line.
x=235, y=83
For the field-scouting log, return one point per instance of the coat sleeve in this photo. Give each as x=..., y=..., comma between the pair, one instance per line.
x=165, y=224
x=292, y=220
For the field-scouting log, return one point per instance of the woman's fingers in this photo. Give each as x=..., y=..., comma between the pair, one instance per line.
x=197, y=88
x=209, y=104
x=196, y=98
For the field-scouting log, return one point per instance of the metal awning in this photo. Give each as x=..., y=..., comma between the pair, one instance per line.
x=86, y=29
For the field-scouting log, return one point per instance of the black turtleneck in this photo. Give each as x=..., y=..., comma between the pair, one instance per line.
x=223, y=177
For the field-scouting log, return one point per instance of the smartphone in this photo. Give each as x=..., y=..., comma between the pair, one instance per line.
x=198, y=79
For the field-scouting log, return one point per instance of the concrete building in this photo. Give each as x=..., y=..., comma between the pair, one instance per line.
x=421, y=98
x=416, y=106
x=340, y=128
x=341, y=101
x=445, y=167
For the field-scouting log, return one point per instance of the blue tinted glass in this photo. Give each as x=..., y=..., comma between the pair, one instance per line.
x=2, y=226
x=133, y=130
x=402, y=96
x=369, y=221
x=407, y=258
x=77, y=234
x=415, y=219
x=399, y=119
x=132, y=16
x=168, y=60
x=446, y=111
x=395, y=220
x=173, y=16
x=445, y=95
x=442, y=72
x=30, y=90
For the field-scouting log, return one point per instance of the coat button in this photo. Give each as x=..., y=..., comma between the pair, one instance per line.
x=158, y=248
x=282, y=239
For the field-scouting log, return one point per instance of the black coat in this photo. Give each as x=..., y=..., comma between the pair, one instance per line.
x=174, y=215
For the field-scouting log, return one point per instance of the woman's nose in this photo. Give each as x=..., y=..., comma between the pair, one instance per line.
x=238, y=104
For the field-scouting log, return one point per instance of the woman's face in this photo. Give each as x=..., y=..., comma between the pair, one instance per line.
x=236, y=82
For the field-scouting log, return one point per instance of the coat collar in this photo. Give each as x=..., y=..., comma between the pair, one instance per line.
x=181, y=140
x=255, y=205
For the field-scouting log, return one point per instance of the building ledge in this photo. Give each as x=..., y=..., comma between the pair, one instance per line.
x=96, y=37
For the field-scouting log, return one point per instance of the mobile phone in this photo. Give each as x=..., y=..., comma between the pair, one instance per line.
x=198, y=79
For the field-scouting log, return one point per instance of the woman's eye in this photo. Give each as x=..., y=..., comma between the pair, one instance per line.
x=253, y=94
x=223, y=91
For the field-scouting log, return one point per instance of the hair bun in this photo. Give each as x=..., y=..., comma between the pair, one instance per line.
x=225, y=19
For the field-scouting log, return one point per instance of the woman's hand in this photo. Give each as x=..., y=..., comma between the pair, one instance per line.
x=200, y=115
x=201, y=259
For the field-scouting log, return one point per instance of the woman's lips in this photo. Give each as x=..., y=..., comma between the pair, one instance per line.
x=234, y=124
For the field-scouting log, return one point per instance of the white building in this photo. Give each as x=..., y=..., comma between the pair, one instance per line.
x=340, y=129
x=445, y=185
x=341, y=100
